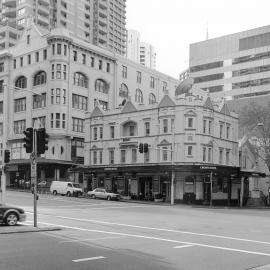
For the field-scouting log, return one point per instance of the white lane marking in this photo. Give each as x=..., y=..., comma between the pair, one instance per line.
x=89, y=259
x=160, y=229
x=97, y=208
x=184, y=246
x=231, y=249
x=159, y=239
x=92, y=239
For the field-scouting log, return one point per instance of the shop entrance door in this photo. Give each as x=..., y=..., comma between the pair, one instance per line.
x=145, y=188
x=206, y=192
x=166, y=190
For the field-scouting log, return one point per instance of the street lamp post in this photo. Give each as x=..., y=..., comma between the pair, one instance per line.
x=4, y=142
x=211, y=188
x=172, y=164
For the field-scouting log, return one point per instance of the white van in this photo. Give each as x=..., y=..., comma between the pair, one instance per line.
x=65, y=188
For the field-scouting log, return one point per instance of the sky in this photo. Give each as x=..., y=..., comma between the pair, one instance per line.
x=172, y=25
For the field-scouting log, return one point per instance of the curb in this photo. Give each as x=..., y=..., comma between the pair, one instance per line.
x=26, y=229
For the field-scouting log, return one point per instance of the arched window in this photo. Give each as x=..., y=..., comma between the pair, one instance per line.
x=101, y=86
x=40, y=78
x=21, y=82
x=152, y=98
x=123, y=91
x=139, y=96
x=80, y=80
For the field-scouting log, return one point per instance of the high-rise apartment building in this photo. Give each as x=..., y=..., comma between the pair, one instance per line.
x=133, y=45
x=233, y=66
x=140, y=52
x=101, y=22
x=147, y=55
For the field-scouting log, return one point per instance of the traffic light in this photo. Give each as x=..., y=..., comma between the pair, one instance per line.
x=28, y=140
x=7, y=156
x=141, y=147
x=145, y=147
x=42, y=141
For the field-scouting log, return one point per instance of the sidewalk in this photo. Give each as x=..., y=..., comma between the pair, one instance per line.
x=21, y=228
x=167, y=203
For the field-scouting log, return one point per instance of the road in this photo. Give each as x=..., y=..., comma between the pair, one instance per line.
x=98, y=234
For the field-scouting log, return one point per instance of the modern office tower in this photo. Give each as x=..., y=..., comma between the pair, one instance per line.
x=133, y=45
x=233, y=66
x=52, y=80
x=147, y=55
x=101, y=22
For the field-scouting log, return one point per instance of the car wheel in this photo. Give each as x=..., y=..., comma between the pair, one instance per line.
x=54, y=192
x=68, y=194
x=109, y=198
x=11, y=219
x=93, y=196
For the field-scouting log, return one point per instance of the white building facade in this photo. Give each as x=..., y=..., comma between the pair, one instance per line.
x=70, y=76
x=190, y=140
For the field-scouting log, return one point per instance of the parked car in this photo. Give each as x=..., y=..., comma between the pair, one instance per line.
x=65, y=188
x=103, y=194
x=11, y=215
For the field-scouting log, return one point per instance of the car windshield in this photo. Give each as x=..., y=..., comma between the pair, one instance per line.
x=76, y=185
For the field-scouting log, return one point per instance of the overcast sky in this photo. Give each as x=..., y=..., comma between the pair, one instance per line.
x=171, y=25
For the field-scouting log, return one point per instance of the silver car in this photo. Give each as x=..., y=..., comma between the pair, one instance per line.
x=103, y=194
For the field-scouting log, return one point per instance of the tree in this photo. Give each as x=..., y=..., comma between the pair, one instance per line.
x=254, y=122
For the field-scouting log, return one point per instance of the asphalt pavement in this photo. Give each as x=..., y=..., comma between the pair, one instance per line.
x=97, y=234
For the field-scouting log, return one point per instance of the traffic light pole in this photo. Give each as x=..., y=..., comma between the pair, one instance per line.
x=34, y=174
x=3, y=183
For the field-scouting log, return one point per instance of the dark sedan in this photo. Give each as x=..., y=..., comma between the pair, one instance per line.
x=11, y=215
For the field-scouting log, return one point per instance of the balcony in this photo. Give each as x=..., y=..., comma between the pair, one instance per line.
x=103, y=4
x=9, y=3
x=102, y=40
x=103, y=30
x=44, y=2
x=9, y=12
x=43, y=21
x=103, y=14
x=44, y=11
x=128, y=142
x=102, y=21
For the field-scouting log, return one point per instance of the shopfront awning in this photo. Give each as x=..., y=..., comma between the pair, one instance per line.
x=252, y=172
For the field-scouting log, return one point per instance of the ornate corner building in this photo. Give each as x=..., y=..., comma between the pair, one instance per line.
x=192, y=144
x=52, y=79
